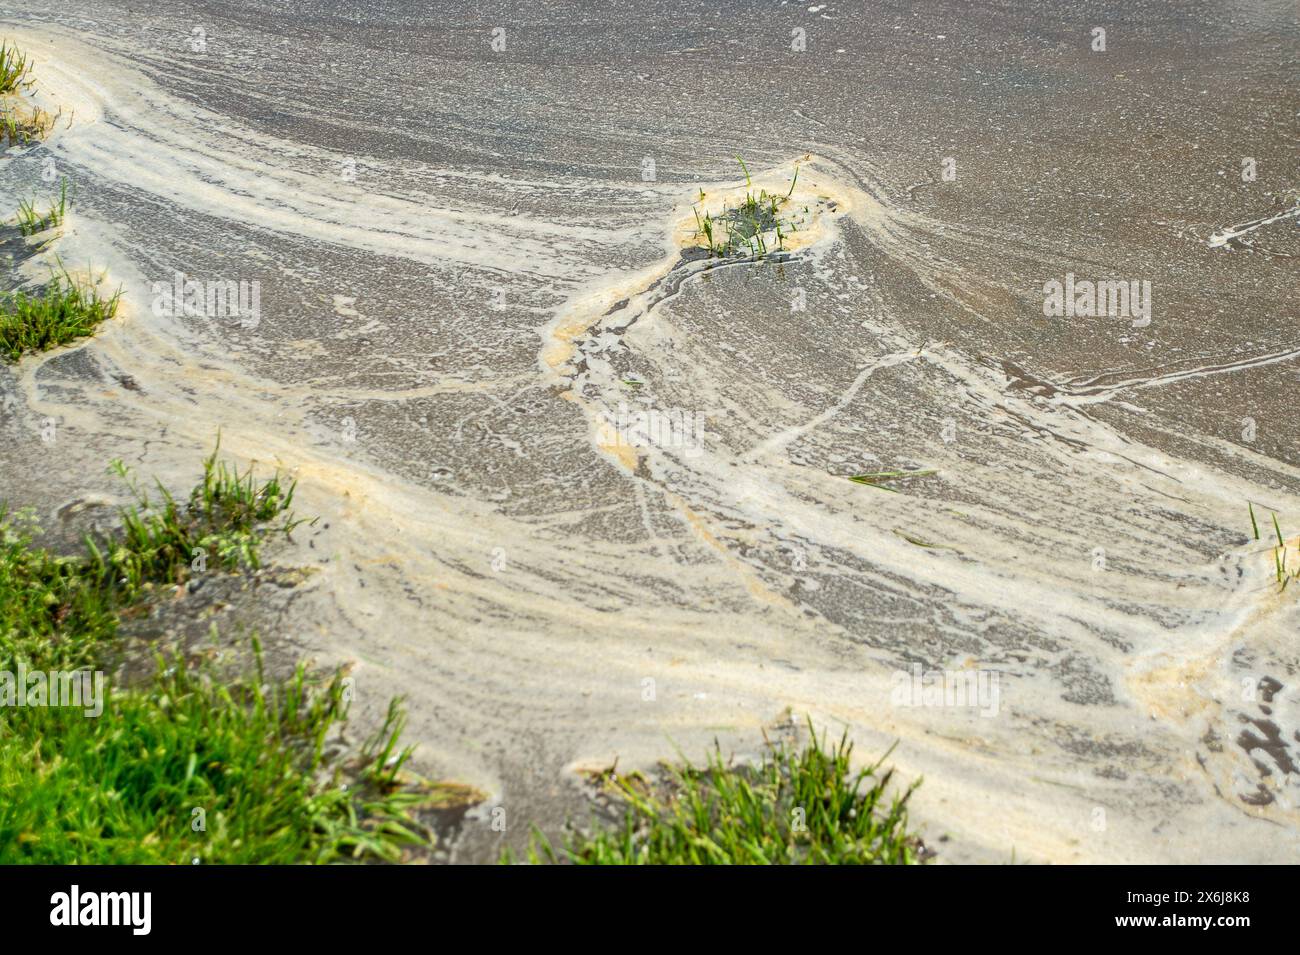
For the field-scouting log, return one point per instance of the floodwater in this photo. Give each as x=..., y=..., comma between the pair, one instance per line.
x=584, y=497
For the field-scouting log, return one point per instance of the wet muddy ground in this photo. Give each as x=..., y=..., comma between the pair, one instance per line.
x=586, y=495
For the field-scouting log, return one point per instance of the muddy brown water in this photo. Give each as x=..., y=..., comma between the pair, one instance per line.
x=587, y=497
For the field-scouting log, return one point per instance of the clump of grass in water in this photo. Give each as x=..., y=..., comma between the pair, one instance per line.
x=30, y=222
x=21, y=126
x=252, y=754
x=15, y=68
x=799, y=807
x=1285, y=574
x=741, y=230
x=63, y=610
x=64, y=310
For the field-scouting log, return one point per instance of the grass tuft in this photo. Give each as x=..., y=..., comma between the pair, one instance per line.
x=750, y=227
x=64, y=610
x=1281, y=559
x=63, y=311
x=30, y=222
x=254, y=759
x=20, y=125
x=226, y=517
x=15, y=68
x=800, y=806
x=1282, y=568
x=185, y=767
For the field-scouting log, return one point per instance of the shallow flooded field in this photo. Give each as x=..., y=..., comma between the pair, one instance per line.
x=587, y=493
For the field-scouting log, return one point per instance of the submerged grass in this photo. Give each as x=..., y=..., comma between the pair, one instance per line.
x=185, y=767
x=30, y=222
x=747, y=228
x=64, y=310
x=800, y=806
x=1285, y=573
x=20, y=125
